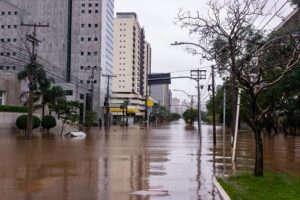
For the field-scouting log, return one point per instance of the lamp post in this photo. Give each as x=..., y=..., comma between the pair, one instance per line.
x=196, y=75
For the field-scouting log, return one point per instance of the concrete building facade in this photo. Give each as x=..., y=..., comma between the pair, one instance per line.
x=132, y=64
x=75, y=49
x=162, y=95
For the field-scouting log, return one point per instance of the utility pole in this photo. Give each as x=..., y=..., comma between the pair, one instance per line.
x=213, y=104
x=31, y=73
x=146, y=103
x=92, y=79
x=106, y=102
x=199, y=75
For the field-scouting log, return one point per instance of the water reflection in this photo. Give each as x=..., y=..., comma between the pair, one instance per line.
x=162, y=162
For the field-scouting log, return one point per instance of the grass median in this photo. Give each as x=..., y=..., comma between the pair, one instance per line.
x=273, y=186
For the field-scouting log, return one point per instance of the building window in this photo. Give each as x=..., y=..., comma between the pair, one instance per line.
x=8, y=40
x=15, y=26
x=3, y=13
x=82, y=53
x=83, y=5
x=16, y=12
x=2, y=26
x=82, y=96
x=89, y=53
x=88, y=67
x=89, y=25
x=96, y=25
x=96, y=11
x=88, y=82
x=2, y=98
x=96, y=4
x=95, y=53
x=15, y=39
x=81, y=81
x=96, y=39
x=89, y=39
x=90, y=5
x=82, y=39
x=82, y=11
x=90, y=11
x=68, y=92
x=82, y=25
x=8, y=26
x=9, y=13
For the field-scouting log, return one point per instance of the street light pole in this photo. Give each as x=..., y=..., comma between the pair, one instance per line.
x=198, y=75
x=214, y=104
x=199, y=109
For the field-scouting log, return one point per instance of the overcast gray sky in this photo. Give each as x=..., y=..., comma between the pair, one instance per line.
x=157, y=17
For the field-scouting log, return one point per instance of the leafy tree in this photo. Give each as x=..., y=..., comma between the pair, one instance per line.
x=296, y=2
x=190, y=115
x=36, y=75
x=174, y=116
x=67, y=111
x=244, y=53
x=50, y=95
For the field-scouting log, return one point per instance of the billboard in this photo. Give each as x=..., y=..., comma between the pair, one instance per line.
x=159, y=79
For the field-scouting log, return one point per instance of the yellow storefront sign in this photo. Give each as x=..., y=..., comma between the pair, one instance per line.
x=120, y=110
x=150, y=102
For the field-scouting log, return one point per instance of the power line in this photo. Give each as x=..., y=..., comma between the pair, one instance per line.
x=275, y=14
x=268, y=12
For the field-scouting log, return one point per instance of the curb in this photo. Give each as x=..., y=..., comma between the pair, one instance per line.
x=223, y=194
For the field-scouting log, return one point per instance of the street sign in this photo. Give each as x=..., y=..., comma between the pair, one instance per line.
x=159, y=79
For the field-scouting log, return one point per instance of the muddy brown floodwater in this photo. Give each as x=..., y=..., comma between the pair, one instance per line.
x=164, y=162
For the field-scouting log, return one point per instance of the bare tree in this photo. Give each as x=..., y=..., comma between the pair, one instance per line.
x=227, y=36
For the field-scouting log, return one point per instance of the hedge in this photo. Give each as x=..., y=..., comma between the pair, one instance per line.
x=48, y=122
x=15, y=109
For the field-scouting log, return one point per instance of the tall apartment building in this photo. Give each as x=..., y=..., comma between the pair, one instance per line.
x=132, y=64
x=75, y=49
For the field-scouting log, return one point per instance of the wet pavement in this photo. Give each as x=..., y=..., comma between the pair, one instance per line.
x=163, y=162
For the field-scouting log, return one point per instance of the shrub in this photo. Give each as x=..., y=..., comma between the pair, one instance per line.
x=15, y=109
x=21, y=122
x=48, y=122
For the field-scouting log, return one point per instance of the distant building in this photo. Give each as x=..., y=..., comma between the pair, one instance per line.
x=175, y=106
x=132, y=64
x=75, y=49
x=162, y=95
x=11, y=89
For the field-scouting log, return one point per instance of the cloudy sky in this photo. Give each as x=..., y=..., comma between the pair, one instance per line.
x=157, y=17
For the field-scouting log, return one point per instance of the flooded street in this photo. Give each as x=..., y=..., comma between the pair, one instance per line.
x=165, y=162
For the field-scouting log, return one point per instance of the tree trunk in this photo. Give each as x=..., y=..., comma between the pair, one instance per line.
x=29, y=117
x=234, y=92
x=43, y=110
x=259, y=153
x=62, y=128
